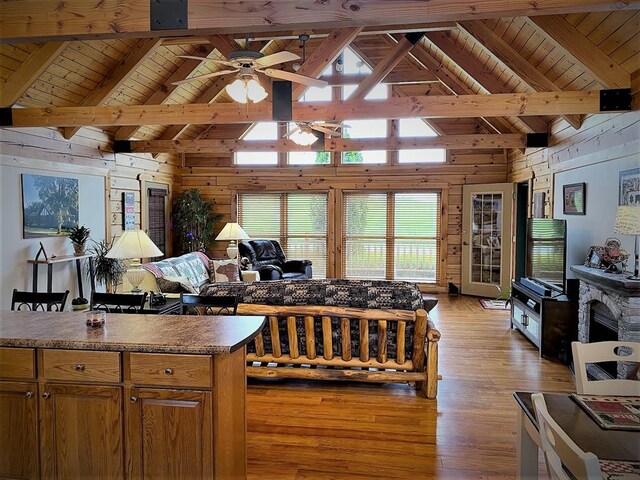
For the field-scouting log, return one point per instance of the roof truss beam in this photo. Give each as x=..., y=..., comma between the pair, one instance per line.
x=48, y=20
x=442, y=106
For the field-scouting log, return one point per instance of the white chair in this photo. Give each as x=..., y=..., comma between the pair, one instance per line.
x=585, y=353
x=560, y=452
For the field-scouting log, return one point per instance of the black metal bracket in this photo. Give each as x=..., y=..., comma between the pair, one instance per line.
x=6, y=117
x=537, y=140
x=414, y=37
x=122, y=146
x=282, y=101
x=318, y=145
x=168, y=15
x=615, y=100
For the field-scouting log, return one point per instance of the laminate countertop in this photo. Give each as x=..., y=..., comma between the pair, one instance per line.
x=129, y=332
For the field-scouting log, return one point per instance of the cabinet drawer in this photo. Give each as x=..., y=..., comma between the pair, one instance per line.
x=17, y=363
x=78, y=365
x=171, y=370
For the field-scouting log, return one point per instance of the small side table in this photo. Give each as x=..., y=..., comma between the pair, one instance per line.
x=250, y=275
x=63, y=259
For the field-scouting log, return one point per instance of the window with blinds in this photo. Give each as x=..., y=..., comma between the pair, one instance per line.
x=391, y=235
x=297, y=220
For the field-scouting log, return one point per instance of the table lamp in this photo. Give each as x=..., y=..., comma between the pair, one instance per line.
x=628, y=223
x=134, y=245
x=232, y=232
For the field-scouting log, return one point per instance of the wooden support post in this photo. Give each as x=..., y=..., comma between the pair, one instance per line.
x=327, y=342
x=382, y=341
x=310, y=336
x=345, y=331
x=275, y=336
x=293, y=337
x=364, y=340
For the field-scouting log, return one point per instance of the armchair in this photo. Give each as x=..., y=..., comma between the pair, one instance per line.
x=267, y=257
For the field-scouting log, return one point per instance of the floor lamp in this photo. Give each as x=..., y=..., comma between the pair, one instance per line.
x=234, y=233
x=628, y=223
x=134, y=245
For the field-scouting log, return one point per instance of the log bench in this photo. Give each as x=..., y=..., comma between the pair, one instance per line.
x=332, y=342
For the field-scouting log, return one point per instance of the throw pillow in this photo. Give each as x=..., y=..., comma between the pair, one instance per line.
x=224, y=271
x=170, y=284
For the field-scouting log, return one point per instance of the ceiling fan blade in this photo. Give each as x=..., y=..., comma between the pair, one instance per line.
x=275, y=58
x=328, y=131
x=294, y=77
x=288, y=134
x=205, y=76
x=205, y=59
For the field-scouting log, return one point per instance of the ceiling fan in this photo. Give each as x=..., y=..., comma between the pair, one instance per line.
x=302, y=134
x=247, y=63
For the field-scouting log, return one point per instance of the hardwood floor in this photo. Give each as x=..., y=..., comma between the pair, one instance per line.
x=321, y=431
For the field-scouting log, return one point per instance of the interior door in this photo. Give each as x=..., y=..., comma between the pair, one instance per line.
x=487, y=215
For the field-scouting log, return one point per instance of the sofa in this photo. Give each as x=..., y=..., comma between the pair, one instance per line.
x=373, y=331
x=267, y=257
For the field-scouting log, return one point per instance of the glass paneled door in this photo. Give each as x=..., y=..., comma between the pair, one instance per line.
x=486, y=238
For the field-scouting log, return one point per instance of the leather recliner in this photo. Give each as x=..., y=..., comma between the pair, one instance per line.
x=267, y=257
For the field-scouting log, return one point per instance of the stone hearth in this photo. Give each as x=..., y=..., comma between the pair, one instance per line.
x=620, y=295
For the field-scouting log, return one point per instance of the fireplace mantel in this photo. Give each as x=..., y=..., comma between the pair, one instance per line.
x=612, y=282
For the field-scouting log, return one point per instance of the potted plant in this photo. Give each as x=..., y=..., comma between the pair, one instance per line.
x=193, y=221
x=79, y=236
x=108, y=271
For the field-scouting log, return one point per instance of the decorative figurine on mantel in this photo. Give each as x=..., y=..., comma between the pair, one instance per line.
x=610, y=257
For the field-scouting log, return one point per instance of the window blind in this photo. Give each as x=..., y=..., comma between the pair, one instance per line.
x=297, y=220
x=391, y=235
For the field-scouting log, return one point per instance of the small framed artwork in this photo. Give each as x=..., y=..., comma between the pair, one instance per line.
x=574, y=199
x=128, y=210
x=629, y=188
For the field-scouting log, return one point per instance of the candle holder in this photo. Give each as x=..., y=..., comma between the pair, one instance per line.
x=96, y=318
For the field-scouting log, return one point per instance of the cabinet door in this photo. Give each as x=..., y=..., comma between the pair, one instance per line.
x=82, y=430
x=169, y=434
x=18, y=430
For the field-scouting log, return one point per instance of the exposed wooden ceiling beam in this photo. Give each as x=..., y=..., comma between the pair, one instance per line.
x=515, y=62
x=324, y=56
x=457, y=86
x=229, y=145
x=28, y=72
x=142, y=50
x=388, y=63
x=393, y=78
x=583, y=51
x=465, y=106
x=478, y=72
x=37, y=20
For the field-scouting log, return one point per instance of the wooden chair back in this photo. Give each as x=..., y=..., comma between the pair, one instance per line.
x=586, y=353
x=118, y=302
x=43, y=301
x=208, y=305
x=560, y=452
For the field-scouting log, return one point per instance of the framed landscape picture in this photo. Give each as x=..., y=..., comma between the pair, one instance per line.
x=49, y=205
x=574, y=199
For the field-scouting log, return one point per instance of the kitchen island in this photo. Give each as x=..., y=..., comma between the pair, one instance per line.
x=146, y=396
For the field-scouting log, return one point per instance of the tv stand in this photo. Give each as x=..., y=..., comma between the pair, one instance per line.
x=549, y=321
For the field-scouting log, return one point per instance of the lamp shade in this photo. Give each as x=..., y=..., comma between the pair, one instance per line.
x=134, y=244
x=232, y=231
x=628, y=220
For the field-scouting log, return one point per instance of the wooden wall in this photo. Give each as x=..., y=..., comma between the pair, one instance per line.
x=89, y=152
x=220, y=183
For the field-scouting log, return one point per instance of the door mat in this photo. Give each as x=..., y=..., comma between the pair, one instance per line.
x=489, y=304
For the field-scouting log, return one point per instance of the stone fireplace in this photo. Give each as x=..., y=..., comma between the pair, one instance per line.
x=608, y=309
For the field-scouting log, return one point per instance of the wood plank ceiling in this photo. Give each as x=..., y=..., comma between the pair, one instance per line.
x=583, y=51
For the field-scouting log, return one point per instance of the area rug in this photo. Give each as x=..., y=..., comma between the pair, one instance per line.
x=489, y=304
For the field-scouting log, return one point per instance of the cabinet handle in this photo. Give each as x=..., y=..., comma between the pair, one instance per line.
x=28, y=394
x=168, y=371
x=525, y=320
x=79, y=367
x=46, y=395
x=133, y=399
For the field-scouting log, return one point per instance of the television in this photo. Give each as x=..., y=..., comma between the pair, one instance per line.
x=547, y=252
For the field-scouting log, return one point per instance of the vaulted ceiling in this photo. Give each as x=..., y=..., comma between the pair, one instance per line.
x=581, y=51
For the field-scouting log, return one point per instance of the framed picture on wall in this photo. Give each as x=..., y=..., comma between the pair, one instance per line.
x=574, y=199
x=49, y=205
x=629, y=188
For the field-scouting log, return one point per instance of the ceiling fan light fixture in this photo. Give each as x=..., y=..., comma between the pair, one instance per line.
x=244, y=89
x=304, y=138
x=255, y=91
x=237, y=90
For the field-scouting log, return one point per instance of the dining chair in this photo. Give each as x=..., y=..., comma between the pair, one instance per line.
x=208, y=305
x=43, y=301
x=597, y=352
x=560, y=452
x=118, y=302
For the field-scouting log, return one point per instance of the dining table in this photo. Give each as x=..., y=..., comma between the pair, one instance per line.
x=606, y=444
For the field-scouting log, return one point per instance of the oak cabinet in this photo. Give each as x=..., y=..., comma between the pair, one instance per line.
x=18, y=430
x=82, y=427
x=169, y=434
